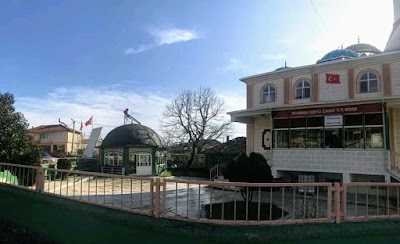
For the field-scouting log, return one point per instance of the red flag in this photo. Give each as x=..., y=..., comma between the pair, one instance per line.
x=89, y=122
x=332, y=78
x=81, y=125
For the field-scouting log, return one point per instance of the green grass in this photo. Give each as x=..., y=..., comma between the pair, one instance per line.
x=267, y=212
x=166, y=174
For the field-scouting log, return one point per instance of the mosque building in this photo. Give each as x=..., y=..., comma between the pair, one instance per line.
x=336, y=120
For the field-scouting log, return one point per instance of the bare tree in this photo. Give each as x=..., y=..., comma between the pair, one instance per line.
x=195, y=118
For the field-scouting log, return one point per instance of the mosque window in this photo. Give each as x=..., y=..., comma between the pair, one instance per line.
x=303, y=89
x=368, y=82
x=268, y=94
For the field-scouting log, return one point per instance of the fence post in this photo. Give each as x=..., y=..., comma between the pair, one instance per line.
x=158, y=193
x=337, y=202
x=39, y=180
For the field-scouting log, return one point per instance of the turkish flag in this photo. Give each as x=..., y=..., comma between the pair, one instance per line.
x=89, y=122
x=332, y=78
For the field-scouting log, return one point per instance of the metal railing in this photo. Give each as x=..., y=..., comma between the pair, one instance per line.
x=214, y=202
x=216, y=171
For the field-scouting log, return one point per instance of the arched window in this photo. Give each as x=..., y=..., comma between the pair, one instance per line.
x=113, y=159
x=303, y=89
x=368, y=82
x=268, y=94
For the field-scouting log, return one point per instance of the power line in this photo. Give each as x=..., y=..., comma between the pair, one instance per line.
x=316, y=11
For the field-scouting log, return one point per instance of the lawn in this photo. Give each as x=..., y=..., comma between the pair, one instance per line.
x=267, y=212
x=13, y=233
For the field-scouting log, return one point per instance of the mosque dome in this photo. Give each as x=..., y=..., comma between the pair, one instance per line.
x=131, y=135
x=364, y=49
x=338, y=54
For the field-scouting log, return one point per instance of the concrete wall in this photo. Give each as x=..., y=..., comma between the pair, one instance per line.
x=331, y=160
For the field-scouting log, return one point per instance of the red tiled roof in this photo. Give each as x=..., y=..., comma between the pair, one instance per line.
x=51, y=128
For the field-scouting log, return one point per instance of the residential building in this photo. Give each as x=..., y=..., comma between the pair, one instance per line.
x=338, y=119
x=60, y=140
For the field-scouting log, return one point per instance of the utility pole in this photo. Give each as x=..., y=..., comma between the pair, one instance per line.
x=73, y=134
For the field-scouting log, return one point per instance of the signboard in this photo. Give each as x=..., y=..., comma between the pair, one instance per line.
x=376, y=107
x=333, y=120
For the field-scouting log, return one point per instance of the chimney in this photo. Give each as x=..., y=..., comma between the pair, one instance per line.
x=393, y=44
x=227, y=138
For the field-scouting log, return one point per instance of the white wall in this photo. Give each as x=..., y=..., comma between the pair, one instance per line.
x=334, y=92
x=260, y=125
x=331, y=160
x=395, y=72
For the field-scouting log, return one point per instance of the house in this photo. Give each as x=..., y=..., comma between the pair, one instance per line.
x=225, y=152
x=60, y=140
x=335, y=120
x=179, y=154
x=131, y=149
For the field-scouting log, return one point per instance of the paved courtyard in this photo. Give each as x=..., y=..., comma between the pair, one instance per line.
x=189, y=199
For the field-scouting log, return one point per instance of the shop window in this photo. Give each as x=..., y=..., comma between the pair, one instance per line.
x=315, y=138
x=303, y=89
x=354, y=138
x=268, y=94
x=368, y=82
x=281, y=139
x=374, y=137
x=333, y=138
x=359, y=131
x=298, y=138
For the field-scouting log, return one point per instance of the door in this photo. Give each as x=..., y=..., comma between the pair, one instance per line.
x=143, y=164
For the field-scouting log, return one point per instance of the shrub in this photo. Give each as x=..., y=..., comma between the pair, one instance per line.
x=253, y=169
x=64, y=163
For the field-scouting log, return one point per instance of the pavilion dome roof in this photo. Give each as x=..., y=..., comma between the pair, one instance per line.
x=131, y=135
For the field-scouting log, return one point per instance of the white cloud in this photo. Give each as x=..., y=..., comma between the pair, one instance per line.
x=235, y=64
x=171, y=36
x=165, y=37
x=273, y=56
x=106, y=104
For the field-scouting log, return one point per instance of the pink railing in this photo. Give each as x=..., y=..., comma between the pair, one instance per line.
x=214, y=202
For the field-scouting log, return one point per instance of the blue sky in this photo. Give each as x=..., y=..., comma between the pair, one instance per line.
x=75, y=59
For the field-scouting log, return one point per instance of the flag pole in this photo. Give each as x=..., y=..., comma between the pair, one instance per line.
x=92, y=122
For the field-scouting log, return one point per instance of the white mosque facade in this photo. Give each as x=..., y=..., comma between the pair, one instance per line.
x=338, y=119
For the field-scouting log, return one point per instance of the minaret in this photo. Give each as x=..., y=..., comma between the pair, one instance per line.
x=393, y=44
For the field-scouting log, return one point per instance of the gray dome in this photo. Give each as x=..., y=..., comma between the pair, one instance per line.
x=364, y=48
x=131, y=135
x=338, y=54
